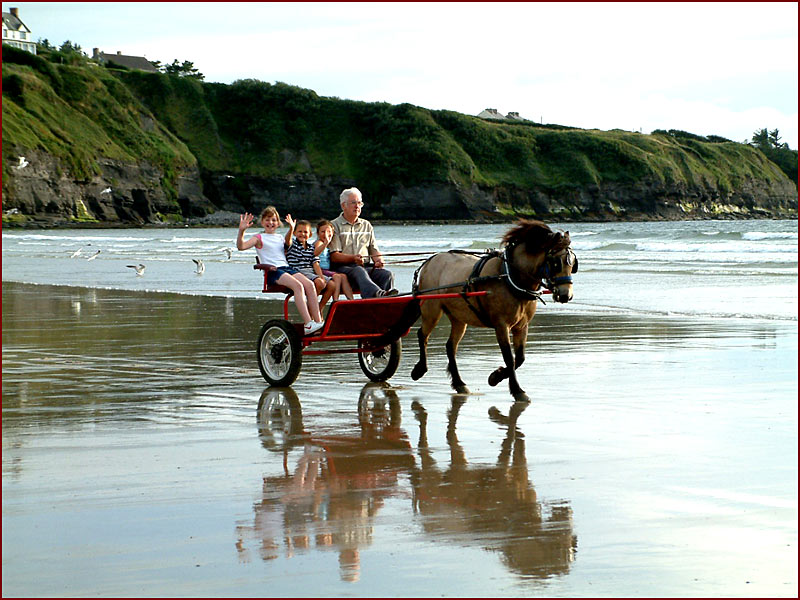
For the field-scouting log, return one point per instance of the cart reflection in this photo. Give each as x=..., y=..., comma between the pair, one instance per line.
x=331, y=486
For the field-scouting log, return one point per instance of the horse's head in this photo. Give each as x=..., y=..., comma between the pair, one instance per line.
x=560, y=263
x=549, y=257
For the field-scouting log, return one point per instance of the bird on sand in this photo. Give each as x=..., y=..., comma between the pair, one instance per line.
x=106, y=191
x=139, y=269
x=22, y=163
x=93, y=256
x=200, y=266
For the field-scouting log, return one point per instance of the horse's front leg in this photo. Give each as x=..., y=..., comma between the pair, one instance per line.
x=457, y=329
x=519, y=336
x=508, y=371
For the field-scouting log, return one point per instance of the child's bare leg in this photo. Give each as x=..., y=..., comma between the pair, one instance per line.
x=330, y=288
x=311, y=296
x=299, y=295
x=347, y=289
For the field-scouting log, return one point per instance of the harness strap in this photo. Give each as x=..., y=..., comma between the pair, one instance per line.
x=516, y=290
x=475, y=277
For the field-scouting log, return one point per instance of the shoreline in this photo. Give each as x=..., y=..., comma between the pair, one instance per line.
x=227, y=220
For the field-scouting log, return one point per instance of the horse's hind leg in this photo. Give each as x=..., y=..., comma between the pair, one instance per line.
x=429, y=321
x=457, y=329
x=508, y=371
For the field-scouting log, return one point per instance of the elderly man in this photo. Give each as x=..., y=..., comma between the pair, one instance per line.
x=353, y=247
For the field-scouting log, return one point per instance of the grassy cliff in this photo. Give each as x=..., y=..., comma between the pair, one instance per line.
x=79, y=113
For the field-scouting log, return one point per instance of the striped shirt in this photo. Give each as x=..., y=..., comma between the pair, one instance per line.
x=299, y=256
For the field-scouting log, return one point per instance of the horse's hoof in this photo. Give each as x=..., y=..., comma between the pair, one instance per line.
x=418, y=372
x=521, y=397
x=461, y=389
x=496, y=377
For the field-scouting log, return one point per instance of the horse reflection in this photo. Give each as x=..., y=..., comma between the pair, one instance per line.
x=338, y=483
x=332, y=487
x=473, y=504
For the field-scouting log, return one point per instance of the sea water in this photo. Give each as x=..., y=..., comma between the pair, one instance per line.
x=694, y=268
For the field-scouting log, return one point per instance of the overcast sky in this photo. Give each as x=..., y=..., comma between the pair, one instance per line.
x=719, y=68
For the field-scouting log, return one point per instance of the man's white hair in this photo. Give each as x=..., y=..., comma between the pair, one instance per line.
x=353, y=191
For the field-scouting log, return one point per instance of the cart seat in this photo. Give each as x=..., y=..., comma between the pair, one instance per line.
x=282, y=289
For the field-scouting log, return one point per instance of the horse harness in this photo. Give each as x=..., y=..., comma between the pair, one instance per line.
x=554, y=263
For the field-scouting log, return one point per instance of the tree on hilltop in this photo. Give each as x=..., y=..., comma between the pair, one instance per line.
x=769, y=142
x=184, y=69
x=763, y=139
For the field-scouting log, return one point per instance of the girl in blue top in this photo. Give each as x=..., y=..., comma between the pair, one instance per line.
x=321, y=251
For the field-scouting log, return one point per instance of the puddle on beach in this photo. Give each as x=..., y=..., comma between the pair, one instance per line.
x=144, y=455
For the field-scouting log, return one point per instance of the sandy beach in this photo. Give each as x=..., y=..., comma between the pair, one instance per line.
x=143, y=455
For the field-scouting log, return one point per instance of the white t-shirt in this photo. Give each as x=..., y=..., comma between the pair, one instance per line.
x=272, y=249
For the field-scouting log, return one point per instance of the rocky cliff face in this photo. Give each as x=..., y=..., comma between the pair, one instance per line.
x=123, y=193
x=139, y=194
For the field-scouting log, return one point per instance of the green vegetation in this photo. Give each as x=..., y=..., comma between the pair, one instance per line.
x=66, y=105
x=769, y=143
x=79, y=113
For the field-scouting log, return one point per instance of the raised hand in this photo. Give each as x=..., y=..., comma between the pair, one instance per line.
x=245, y=221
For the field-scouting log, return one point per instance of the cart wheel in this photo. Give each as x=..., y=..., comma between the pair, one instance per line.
x=280, y=418
x=380, y=364
x=279, y=352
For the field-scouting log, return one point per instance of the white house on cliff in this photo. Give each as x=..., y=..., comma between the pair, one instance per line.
x=494, y=115
x=16, y=33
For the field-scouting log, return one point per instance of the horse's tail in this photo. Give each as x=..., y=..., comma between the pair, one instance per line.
x=410, y=314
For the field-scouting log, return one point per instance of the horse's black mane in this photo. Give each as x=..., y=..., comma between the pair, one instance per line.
x=536, y=235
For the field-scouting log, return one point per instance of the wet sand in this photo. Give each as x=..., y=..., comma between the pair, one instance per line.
x=144, y=455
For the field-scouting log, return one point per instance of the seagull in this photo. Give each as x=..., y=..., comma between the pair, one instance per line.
x=22, y=163
x=200, y=266
x=139, y=269
x=227, y=252
x=106, y=191
x=77, y=253
x=93, y=256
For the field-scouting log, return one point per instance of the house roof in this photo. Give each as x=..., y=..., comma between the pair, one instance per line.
x=130, y=62
x=13, y=22
x=491, y=113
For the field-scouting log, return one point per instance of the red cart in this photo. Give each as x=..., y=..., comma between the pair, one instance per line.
x=375, y=324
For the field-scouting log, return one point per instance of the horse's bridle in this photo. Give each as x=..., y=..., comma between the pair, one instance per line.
x=556, y=262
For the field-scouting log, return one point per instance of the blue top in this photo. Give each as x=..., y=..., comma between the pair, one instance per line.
x=325, y=259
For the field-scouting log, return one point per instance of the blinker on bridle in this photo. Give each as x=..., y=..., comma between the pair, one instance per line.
x=557, y=262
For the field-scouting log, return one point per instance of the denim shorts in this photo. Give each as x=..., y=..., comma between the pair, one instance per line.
x=273, y=276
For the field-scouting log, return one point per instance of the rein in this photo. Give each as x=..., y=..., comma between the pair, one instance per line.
x=553, y=263
x=476, y=277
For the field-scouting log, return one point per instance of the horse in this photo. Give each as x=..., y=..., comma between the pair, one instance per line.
x=533, y=254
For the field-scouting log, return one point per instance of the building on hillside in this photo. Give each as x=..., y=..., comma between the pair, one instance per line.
x=129, y=62
x=493, y=114
x=16, y=33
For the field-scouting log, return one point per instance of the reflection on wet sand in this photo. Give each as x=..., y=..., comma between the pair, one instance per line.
x=331, y=491
x=496, y=505
x=338, y=483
